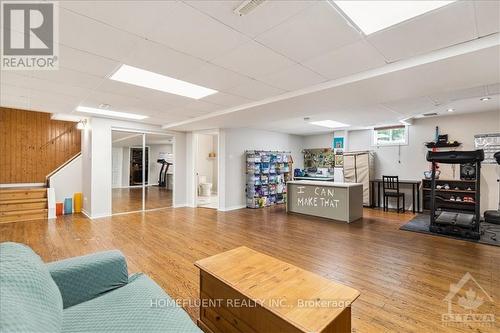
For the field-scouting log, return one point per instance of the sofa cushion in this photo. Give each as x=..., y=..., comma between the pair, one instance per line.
x=30, y=300
x=82, y=278
x=136, y=307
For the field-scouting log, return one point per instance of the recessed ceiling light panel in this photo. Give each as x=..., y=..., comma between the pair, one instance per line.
x=373, y=15
x=109, y=113
x=143, y=78
x=451, y=110
x=485, y=99
x=329, y=124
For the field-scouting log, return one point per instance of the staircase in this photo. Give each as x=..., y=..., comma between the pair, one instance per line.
x=23, y=204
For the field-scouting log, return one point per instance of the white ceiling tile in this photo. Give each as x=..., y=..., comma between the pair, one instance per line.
x=264, y=17
x=188, y=30
x=161, y=59
x=410, y=106
x=450, y=96
x=226, y=100
x=16, y=102
x=38, y=96
x=350, y=59
x=15, y=78
x=254, y=60
x=185, y=113
x=150, y=96
x=493, y=88
x=293, y=78
x=85, y=62
x=138, y=17
x=256, y=90
x=14, y=96
x=216, y=77
x=19, y=79
x=69, y=77
x=115, y=101
x=440, y=28
x=487, y=17
x=51, y=87
x=86, y=34
x=203, y=106
x=314, y=31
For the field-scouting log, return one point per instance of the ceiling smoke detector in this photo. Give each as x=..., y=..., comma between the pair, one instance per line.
x=247, y=6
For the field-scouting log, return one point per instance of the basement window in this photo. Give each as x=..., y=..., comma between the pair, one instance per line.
x=390, y=135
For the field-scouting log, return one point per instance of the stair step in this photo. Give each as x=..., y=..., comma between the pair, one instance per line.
x=23, y=217
x=29, y=193
x=23, y=204
x=16, y=201
x=24, y=212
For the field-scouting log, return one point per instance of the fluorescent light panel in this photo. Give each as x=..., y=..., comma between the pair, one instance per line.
x=151, y=80
x=66, y=117
x=372, y=16
x=329, y=123
x=110, y=113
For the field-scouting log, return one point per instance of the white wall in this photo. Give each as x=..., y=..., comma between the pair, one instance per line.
x=323, y=140
x=97, y=162
x=236, y=141
x=67, y=181
x=412, y=161
x=87, y=170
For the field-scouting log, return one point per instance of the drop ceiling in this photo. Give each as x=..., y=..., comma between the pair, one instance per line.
x=279, y=48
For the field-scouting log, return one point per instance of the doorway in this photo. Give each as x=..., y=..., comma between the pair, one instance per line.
x=206, y=163
x=142, y=171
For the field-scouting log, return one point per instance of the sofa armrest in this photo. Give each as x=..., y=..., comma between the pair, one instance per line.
x=83, y=278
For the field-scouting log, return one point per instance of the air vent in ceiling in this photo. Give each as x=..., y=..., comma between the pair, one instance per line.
x=430, y=114
x=247, y=6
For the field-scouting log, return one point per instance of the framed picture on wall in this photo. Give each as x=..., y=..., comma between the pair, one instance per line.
x=338, y=143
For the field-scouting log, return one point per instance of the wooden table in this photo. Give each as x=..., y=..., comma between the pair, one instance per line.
x=242, y=290
x=415, y=192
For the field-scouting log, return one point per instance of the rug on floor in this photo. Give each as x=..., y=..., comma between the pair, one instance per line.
x=490, y=233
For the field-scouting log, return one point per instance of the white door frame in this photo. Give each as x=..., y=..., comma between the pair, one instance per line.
x=193, y=200
x=144, y=133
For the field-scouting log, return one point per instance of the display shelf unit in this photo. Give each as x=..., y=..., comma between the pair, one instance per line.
x=266, y=175
x=443, y=195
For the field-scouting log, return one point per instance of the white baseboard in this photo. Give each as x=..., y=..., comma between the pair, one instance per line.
x=84, y=212
x=226, y=209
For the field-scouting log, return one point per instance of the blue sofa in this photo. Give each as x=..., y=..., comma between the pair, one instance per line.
x=91, y=293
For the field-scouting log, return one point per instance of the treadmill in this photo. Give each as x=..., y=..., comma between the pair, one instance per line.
x=162, y=178
x=453, y=221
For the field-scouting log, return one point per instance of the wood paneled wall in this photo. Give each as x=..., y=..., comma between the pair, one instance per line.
x=32, y=145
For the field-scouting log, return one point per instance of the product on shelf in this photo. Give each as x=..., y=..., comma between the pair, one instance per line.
x=267, y=174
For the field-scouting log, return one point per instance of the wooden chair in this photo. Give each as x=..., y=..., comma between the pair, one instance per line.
x=391, y=190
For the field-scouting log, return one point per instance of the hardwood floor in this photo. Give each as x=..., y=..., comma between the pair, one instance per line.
x=403, y=277
x=130, y=199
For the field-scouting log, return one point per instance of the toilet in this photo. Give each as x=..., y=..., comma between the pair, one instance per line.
x=204, y=188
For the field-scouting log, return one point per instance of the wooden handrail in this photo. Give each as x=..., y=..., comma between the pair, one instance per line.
x=47, y=178
x=66, y=131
